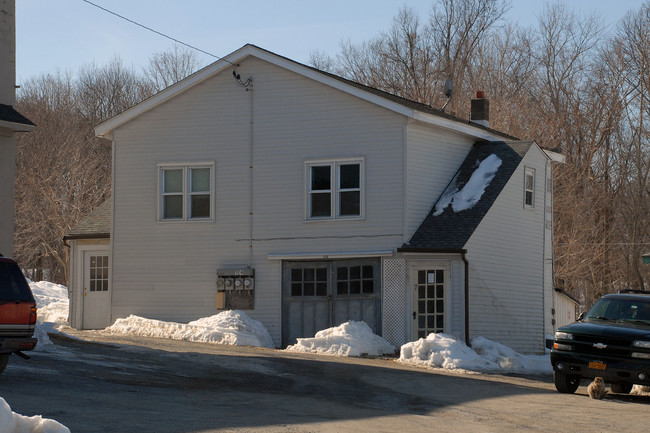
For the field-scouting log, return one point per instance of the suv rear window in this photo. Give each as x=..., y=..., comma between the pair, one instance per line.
x=13, y=286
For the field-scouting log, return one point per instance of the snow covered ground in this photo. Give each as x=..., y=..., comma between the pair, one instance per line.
x=236, y=328
x=349, y=339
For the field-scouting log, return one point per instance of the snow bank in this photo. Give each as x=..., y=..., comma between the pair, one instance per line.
x=473, y=190
x=444, y=351
x=228, y=327
x=349, y=339
x=11, y=422
x=52, y=304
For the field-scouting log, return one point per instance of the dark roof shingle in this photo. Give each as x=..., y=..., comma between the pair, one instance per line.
x=97, y=224
x=9, y=114
x=451, y=230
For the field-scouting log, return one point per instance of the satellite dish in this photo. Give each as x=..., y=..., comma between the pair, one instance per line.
x=447, y=88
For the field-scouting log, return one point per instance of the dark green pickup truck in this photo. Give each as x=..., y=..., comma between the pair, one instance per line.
x=611, y=341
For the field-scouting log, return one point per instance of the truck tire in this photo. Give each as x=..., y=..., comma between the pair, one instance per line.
x=4, y=359
x=621, y=388
x=566, y=383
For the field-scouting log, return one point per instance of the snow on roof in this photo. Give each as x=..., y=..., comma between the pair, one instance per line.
x=473, y=190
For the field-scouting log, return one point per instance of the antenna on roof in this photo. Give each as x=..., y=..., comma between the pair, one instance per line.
x=447, y=90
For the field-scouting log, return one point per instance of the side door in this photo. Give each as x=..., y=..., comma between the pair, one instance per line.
x=96, y=290
x=430, y=299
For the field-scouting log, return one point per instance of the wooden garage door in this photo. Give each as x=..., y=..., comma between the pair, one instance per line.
x=320, y=295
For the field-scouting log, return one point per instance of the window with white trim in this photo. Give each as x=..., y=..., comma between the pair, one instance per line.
x=186, y=192
x=335, y=189
x=529, y=187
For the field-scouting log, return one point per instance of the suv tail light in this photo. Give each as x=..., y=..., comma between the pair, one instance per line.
x=32, y=315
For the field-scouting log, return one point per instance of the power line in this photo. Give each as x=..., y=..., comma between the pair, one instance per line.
x=154, y=31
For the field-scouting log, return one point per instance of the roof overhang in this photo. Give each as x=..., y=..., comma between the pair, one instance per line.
x=106, y=128
x=16, y=127
x=555, y=157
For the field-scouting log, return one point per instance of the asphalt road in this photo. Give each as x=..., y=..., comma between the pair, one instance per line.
x=132, y=384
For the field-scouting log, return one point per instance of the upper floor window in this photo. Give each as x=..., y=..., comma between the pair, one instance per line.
x=529, y=187
x=186, y=192
x=335, y=189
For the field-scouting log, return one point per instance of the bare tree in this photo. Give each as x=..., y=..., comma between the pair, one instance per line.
x=103, y=92
x=63, y=171
x=169, y=67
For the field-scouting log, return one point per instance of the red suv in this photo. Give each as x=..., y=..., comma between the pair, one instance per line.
x=17, y=312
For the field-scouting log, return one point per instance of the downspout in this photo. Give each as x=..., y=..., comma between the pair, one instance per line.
x=462, y=256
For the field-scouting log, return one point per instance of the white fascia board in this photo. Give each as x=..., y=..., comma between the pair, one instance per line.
x=555, y=157
x=331, y=255
x=16, y=127
x=106, y=128
x=452, y=125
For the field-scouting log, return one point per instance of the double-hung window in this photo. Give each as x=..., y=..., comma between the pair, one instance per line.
x=335, y=189
x=186, y=192
x=529, y=187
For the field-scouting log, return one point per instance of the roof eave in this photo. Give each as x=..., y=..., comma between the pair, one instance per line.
x=17, y=127
x=86, y=236
x=106, y=128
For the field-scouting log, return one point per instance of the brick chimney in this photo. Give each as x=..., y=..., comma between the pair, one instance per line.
x=480, y=111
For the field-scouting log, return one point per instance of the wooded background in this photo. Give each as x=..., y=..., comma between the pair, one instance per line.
x=568, y=82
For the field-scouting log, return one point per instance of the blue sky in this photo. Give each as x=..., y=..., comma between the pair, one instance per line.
x=64, y=35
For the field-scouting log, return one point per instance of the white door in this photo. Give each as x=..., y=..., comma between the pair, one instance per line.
x=429, y=306
x=96, y=294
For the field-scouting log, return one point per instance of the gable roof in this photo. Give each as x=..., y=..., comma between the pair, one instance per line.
x=451, y=230
x=12, y=119
x=411, y=109
x=95, y=225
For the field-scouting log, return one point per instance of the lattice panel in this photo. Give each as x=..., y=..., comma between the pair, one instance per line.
x=394, y=301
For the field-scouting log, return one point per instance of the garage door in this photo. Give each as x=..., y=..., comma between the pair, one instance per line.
x=320, y=295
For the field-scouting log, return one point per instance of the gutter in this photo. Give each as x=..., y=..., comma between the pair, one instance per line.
x=464, y=258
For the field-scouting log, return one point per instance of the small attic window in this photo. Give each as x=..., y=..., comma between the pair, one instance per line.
x=529, y=187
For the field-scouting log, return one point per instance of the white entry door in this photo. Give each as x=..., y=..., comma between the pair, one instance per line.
x=429, y=301
x=96, y=294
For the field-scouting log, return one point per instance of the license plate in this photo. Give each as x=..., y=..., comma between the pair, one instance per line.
x=597, y=365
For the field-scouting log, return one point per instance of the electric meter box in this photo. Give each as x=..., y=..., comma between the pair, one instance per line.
x=236, y=288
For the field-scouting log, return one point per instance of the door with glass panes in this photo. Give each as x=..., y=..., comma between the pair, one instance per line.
x=320, y=295
x=429, y=306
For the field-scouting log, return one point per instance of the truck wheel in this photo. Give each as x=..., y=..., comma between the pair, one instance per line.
x=4, y=359
x=621, y=388
x=566, y=383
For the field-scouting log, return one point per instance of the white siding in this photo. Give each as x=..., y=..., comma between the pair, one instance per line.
x=565, y=310
x=433, y=157
x=506, y=257
x=167, y=270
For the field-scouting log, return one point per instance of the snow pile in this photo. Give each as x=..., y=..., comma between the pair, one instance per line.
x=52, y=301
x=52, y=309
x=228, y=327
x=349, y=339
x=473, y=190
x=11, y=422
x=444, y=351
